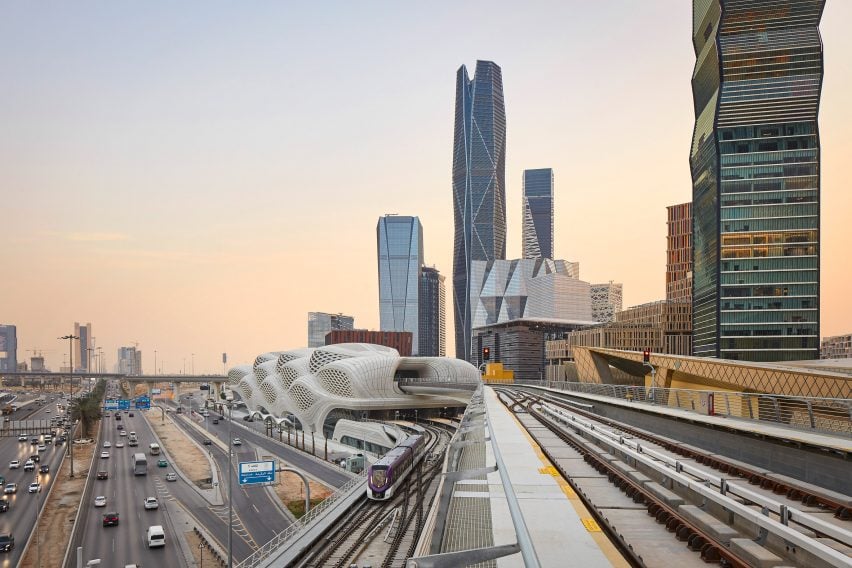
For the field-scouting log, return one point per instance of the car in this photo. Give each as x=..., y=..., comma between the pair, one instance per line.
x=171, y=476
x=36, y=458
x=29, y=465
x=107, y=415
x=207, y=442
x=221, y=417
x=100, y=501
x=103, y=474
x=10, y=488
x=162, y=463
x=47, y=411
x=237, y=442
x=44, y=469
x=130, y=414
x=117, y=416
x=110, y=519
x=4, y=505
x=7, y=542
x=34, y=487
x=33, y=441
x=119, y=444
x=14, y=464
x=22, y=438
x=215, y=421
x=107, y=444
x=41, y=448
x=122, y=433
x=151, y=503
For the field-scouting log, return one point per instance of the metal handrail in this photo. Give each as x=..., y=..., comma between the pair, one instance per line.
x=301, y=524
x=829, y=415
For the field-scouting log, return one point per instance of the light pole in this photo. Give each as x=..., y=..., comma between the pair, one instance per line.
x=230, y=490
x=192, y=365
x=155, y=361
x=71, y=338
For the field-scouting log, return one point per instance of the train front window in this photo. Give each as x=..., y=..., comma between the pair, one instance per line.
x=379, y=476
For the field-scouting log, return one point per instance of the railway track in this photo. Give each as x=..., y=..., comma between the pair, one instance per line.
x=733, y=520
x=398, y=520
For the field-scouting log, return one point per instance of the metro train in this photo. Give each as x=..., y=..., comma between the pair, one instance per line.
x=384, y=476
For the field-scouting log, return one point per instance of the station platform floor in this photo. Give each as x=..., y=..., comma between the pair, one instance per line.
x=816, y=439
x=562, y=530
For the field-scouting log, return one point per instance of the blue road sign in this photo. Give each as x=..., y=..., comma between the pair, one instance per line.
x=257, y=472
x=110, y=405
x=124, y=404
x=143, y=403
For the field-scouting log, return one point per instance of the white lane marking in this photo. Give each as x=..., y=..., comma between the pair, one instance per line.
x=256, y=510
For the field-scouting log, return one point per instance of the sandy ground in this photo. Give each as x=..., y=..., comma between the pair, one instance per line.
x=186, y=455
x=291, y=489
x=61, y=510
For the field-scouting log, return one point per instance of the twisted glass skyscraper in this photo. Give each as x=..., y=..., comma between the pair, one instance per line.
x=755, y=178
x=399, y=242
x=479, y=184
x=537, y=203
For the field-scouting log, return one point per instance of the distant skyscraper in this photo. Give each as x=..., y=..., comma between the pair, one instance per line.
x=479, y=185
x=679, y=253
x=606, y=301
x=756, y=179
x=399, y=244
x=129, y=361
x=81, y=357
x=433, y=325
x=8, y=348
x=320, y=323
x=538, y=213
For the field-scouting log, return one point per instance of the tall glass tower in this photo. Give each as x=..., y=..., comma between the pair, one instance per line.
x=755, y=179
x=537, y=213
x=479, y=184
x=400, y=250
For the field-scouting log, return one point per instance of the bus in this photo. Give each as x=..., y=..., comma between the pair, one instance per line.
x=140, y=464
x=154, y=449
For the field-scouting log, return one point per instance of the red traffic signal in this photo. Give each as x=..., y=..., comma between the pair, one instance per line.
x=486, y=353
x=646, y=355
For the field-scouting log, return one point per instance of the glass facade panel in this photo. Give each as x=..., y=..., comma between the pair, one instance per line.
x=755, y=174
x=537, y=214
x=399, y=243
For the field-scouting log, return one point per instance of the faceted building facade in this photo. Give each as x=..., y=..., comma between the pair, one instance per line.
x=537, y=214
x=679, y=253
x=8, y=348
x=399, y=243
x=320, y=323
x=755, y=161
x=479, y=185
x=606, y=301
x=432, y=335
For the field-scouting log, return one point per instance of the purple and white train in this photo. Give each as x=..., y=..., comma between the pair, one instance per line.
x=384, y=476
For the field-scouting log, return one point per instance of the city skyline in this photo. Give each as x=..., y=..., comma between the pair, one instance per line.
x=175, y=175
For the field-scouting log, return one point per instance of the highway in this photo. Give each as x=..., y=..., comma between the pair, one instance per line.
x=19, y=520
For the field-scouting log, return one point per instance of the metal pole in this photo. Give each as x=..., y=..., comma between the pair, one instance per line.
x=230, y=492
x=71, y=339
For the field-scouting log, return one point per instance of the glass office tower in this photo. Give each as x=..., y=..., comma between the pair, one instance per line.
x=433, y=327
x=537, y=204
x=479, y=184
x=755, y=179
x=399, y=242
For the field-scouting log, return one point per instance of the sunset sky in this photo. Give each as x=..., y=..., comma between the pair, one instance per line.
x=197, y=176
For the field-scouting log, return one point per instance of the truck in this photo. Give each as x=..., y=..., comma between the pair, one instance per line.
x=140, y=464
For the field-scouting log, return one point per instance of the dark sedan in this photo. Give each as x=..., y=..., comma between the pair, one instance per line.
x=111, y=519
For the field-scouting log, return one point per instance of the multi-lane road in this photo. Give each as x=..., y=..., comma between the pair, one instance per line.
x=19, y=520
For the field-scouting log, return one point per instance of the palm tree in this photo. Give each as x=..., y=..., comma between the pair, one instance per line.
x=87, y=408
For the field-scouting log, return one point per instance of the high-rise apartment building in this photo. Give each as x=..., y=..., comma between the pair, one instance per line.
x=537, y=214
x=755, y=161
x=606, y=301
x=84, y=344
x=679, y=253
x=8, y=348
x=320, y=323
x=129, y=361
x=433, y=326
x=399, y=243
x=479, y=185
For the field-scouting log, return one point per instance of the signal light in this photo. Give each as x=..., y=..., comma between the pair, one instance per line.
x=646, y=355
x=486, y=353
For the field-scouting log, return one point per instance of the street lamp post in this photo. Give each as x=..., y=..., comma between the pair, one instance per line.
x=192, y=365
x=155, y=361
x=230, y=489
x=71, y=338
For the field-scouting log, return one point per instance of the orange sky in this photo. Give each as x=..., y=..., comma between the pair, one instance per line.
x=198, y=180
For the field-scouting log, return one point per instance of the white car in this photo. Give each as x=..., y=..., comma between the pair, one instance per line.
x=29, y=465
x=119, y=445
x=41, y=447
x=107, y=444
x=100, y=501
x=238, y=442
x=34, y=487
x=104, y=455
x=122, y=433
x=151, y=503
x=14, y=464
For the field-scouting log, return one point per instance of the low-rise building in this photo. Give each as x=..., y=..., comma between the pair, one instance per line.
x=836, y=347
x=402, y=341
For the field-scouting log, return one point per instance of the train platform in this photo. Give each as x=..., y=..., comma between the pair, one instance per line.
x=763, y=429
x=562, y=531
